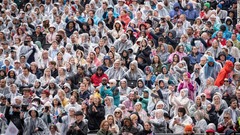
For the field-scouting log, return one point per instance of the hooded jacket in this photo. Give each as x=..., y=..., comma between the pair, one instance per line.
x=191, y=14
x=210, y=71
x=224, y=73
x=174, y=13
x=135, y=73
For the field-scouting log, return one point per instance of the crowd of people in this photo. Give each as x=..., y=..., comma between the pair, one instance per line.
x=119, y=67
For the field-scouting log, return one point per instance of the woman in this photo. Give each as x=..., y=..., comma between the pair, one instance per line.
x=147, y=129
x=198, y=24
x=117, y=29
x=62, y=96
x=118, y=117
x=178, y=123
x=126, y=58
x=150, y=77
x=109, y=105
x=136, y=121
x=59, y=60
x=184, y=42
x=156, y=65
x=107, y=63
x=89, y=85
x=96, y=113
x=195, y=56
x=166, y=75
x=210, y=115
x=53, y=130
x=219, y=103
x=45, y=96
x=179, y=51
x=186, y=83
x=128, y=127
x=57, y=109
x=69, y=69
x=96, y=78
x=113, y=127
x=34, y=125
x=45, y=79
x=11, y=77
x=51, y=35
x=144, y=50
x=129, y=103
x=209, y=89
x=181, y=100
x=197, y=106
x=134, y=72
x=79, y=59
x=115, y=91
x=158, y=122
x=104, y=128
x=61, y=78
x=201, y=124
x=141, y=112
x=53, y=88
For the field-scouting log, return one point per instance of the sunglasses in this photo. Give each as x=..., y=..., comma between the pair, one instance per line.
x=117, y=112
x=226, y=117
x=202, y=96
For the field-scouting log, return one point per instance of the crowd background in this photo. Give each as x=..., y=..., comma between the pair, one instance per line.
x=128, y=67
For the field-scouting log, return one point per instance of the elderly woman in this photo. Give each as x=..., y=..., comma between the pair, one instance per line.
x=115, y=91
x=186, y=83
x=34, y=125
x=159, y=123
x=201, y=124
x=141, y=112
x=178, y=123
x=219, y=103
x=181, y=100
x=209, y=89
x=197, y=106
x=109, y=105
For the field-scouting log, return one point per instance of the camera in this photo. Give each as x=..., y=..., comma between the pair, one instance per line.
x=46, y=108
x=26, y=43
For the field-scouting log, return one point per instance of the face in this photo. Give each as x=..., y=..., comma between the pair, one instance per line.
x=234, y=104
x=110, y=119
x=105, y=126
x=33, y=114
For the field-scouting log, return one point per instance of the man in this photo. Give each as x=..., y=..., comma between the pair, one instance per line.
x=27, y=98
x=59, y=24
x=52, y=66
x=25, y=79
x=84, y=93
x=28, y=49
x=13, y=93
x=17, y=67
x=80, y=75
x=79, y=126
x=97, y=77
x=99, y=13
x=73, y=103
x=232, y=110
x=122, y=43
x=4, y=89
x=16, y=116
x=38, y=36
x=227, y=123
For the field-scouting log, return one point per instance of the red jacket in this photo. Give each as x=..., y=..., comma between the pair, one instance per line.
x=96, y=79
x=224, y=73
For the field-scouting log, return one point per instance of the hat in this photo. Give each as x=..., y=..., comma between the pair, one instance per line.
x=67, y=85
x=51, y=26
x=15, y=106
x=16, y=61
x=46, y=92
x=145, y=90
x=149, y=22
x=219, y=6
x=121, y=1
x=210, y=131
x=207, y=4
x=188, y=128
x=26, y=89
x=77, y=113
x=106, y=57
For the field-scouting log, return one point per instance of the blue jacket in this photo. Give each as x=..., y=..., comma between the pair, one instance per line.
x=175, y=13
x=191, y=14
x=226, y=34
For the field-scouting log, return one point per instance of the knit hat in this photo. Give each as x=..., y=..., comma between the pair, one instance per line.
x=188, y=128
x=207, y=4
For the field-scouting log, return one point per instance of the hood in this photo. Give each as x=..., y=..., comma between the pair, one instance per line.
x=210, y=59
x=142, y=80
x=212, y=109
x=164, y=82
x=173, y=33
x=150, y=68
x=13, y=71
x=164, y=66
x=228, y=66
x=135, y=64
x=228, y=19
x=119, y=22
x=27, y=5
x=33, y=109
x=185, y=92
x=176, y=5
x=67, y=26
x=220, y=54
x=191, y=6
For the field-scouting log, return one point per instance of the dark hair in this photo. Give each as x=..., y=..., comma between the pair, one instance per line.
x=26, y=68
x=232, y=100
x=182, y=110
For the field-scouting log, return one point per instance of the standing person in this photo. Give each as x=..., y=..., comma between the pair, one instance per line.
x=79, y=126
x=34, y=125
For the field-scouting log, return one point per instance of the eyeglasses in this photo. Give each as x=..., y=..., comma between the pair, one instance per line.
x=226, y=117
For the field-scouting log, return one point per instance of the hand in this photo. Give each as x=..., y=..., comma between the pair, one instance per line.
x=21, y=115
x=77, y=128
x=36, y=129
x=23, y=81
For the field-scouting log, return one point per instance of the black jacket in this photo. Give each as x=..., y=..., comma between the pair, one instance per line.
x=95, y=118
x=83, y=129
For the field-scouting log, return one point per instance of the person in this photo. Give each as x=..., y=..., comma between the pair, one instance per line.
x=128, y=127
x=33, y=124
x=104, y=128
x=224, y=73
x=79, y=126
